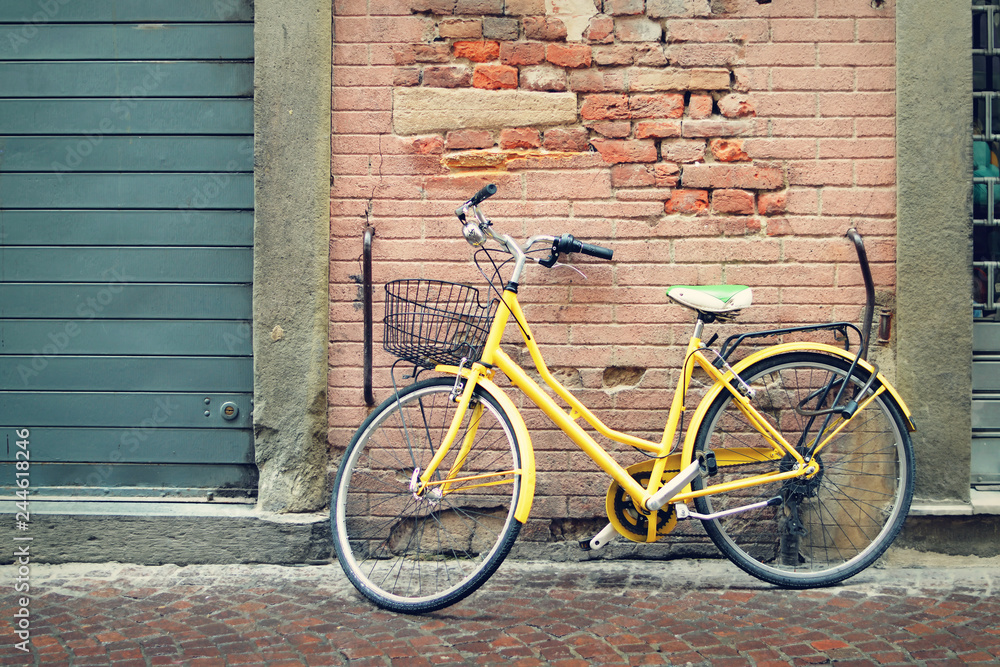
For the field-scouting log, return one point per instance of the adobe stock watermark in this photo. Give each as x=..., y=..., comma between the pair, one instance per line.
x=59, y=339
x=213, y=185
x=130, y=440
x=121, y=108
x=47, y=12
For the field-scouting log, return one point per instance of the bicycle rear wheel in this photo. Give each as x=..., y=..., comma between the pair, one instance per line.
x=837, y=523
x=411, y=551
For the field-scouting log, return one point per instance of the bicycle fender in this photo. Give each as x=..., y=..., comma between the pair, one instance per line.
x=699, y=415
x=527, y=494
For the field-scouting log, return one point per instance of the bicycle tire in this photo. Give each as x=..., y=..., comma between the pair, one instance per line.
x=416, y=554
x=848, y=514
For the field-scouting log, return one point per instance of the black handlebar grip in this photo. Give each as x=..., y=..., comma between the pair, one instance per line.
x=567, y=243
x=487, y=192
x=596, y=251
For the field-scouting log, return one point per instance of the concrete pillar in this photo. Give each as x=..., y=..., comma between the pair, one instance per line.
x=292, y=96
x=934, y=162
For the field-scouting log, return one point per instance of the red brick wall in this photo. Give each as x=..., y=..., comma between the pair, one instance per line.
x=772, y=136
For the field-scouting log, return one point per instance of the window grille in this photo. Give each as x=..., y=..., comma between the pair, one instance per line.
x=986, y=155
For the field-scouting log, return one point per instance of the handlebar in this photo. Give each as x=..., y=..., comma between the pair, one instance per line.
x=478, y=230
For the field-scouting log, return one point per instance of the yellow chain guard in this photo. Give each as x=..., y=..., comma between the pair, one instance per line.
x=673, y=466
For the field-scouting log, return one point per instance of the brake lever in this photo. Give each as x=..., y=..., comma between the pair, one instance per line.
x=552, y=261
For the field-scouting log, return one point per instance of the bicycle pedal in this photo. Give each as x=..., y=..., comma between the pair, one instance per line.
x=711, y=467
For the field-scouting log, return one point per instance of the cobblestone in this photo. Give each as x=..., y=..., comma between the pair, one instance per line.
x=698, y=613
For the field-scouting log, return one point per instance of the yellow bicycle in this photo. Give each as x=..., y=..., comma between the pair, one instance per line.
x=797, y=461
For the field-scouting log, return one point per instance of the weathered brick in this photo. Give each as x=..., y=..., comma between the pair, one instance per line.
x=572, y=139
x=447, y=77
x=461, y=28
x=524, y=7
x=458, y=140
x=430, y=145
x=687, y=201
x=623, y=7
x=501, y=29
x=715, y=128
x=743, y=176
x=593, y=80
x=700, y=107
x=683, y=150
x=637, y=29
x=772, y=203
x=650, y=55
x=616, y=151
x=674, y=78
x=632, y=175
x=657, y=129
x=669, y=105
x=568, y=55
x=479, y=7
x=494, y=77
x=605, y=107
x=617, y=54
x=600, y=30
x=736, y=202
x=615, y=129
x=433, y=6
x=737, y=105
x=406, y=76
x=728, y=150
x=431, y=53
x=521, y=137
x=546, y=28
x=522, y=53
x=480, y=52
x=542, y=77
x=667, y=174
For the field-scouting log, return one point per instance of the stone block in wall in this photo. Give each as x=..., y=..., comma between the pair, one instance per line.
x=543, y=77
x=674, y=8
x=479, y=7
x=545, y=28
x=501, y=29
x=624, y=7
x=645, y=79
x=637, y=29
x=423, y=110
x=524, y=7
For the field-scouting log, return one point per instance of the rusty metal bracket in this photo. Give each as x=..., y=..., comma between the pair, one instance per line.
x=366, y=278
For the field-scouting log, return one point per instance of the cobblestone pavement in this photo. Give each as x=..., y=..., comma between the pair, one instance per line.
x=597, y=612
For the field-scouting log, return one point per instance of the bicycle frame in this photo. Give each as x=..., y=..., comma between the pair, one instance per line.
x=493, y=357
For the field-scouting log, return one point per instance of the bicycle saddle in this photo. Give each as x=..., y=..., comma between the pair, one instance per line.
x=712, y=298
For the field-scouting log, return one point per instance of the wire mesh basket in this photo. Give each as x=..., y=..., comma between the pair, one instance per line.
x=431, y=322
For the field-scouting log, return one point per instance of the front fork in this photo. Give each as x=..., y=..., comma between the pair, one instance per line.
x=461, y=394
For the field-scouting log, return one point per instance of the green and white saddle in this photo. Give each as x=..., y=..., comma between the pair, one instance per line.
x=712, y=298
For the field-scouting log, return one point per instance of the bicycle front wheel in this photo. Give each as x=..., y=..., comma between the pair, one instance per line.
x=825, y=528
x=416, y=550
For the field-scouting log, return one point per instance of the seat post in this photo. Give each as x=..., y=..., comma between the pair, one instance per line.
x=699, y=327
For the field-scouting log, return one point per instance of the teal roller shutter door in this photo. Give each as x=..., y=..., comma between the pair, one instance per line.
x=126, y=246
